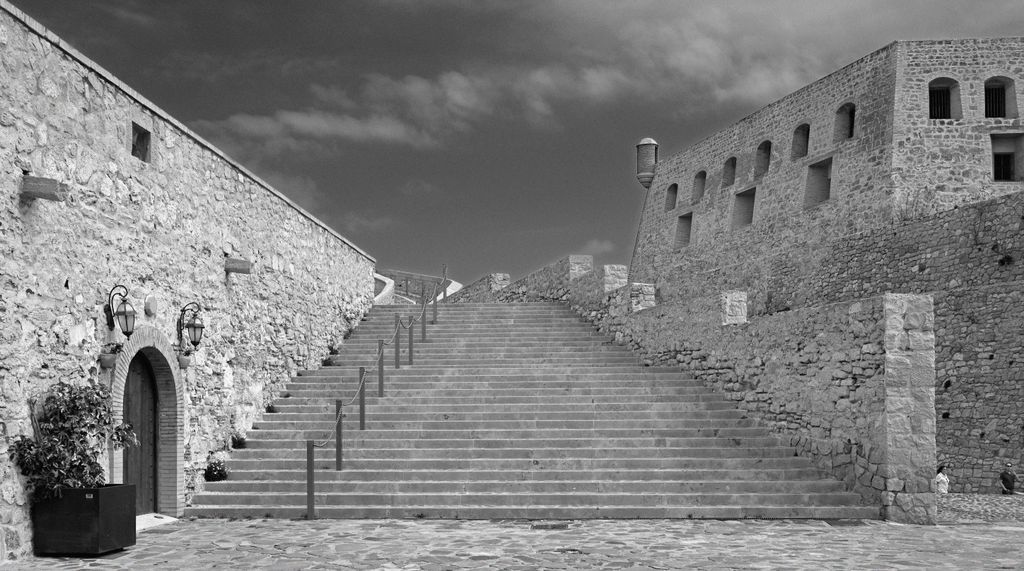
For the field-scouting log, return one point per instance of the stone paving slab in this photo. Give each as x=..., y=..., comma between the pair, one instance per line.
x=980, y=532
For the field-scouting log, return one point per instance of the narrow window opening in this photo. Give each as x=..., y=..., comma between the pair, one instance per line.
x=763, y=160
x=699, y=182
x=684, y=226
x=729, y=172
x=140, y=143
x=846, y=119
x=819, y=183
x=944, y=99
x=1002, y=166
x=1000, y=97
x=1008, y=157
x=670, y=197
x=801, y=138
x=743, y=208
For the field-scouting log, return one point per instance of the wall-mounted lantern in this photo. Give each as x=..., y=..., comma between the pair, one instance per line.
x=191, y=324
x=123, y=313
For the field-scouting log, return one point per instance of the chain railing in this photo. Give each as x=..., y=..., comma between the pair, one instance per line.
x=335, y=433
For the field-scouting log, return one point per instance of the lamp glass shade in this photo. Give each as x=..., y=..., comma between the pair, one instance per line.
x=125, y=316
x=195, y=330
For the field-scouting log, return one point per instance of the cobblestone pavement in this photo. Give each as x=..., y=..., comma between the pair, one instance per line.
x=977, y=532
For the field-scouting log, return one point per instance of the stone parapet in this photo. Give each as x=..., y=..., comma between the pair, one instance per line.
x=483, y=290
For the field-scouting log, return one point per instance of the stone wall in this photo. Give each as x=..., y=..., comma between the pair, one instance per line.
x=164, y=227
x=913, y=207
x=941, y=163
x=850, y=384
x=781, y=217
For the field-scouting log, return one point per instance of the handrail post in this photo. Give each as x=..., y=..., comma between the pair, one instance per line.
x=310, y=481
x=423, y=291
x=398, y=342
x=362, y=399
x=411, y=331
x=337, y=435
x=423, y=324
x=380, y=367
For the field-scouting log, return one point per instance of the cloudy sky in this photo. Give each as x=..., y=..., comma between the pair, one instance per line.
x=488, y=135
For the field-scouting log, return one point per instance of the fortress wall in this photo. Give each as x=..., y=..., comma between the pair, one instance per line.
x=163, y=228
x=859, y=186
x=940, y=163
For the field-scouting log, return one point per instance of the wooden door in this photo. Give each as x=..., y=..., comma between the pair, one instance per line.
x=140, y=409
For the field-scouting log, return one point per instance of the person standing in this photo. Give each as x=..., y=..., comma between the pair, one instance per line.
x=1007, y=479
x=941, y=481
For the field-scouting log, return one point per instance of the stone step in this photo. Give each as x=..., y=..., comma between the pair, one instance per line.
x=385, y=414
x=529, y=499
x=359, y=453
x=466, y=389
x=593, y=511
x=326, y=473
x=686, y=402
x=375, y=430
x=317, y=406
x=480, y=383
x=525, y=464
x=525, y=486
x=626, y=371
x=551, y=374
x=352, y=440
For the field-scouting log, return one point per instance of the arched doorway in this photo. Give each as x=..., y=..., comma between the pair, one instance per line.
x=141, y=406
x=146, y=383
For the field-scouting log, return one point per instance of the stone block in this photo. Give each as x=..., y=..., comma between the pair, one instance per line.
x=733, y=307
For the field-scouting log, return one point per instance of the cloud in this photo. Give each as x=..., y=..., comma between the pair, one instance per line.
x=417, y=188
x=362, y=223
x=597, y=247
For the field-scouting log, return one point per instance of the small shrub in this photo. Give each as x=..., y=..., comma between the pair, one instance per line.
x=215, y=471
x=271, y=408
x=237, y=441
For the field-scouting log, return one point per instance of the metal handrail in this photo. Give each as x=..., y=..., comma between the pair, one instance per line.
x=335, y=433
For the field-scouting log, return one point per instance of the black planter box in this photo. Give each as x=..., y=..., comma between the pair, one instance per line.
x=85, y=521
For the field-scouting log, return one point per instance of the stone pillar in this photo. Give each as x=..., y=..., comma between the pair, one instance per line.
x=908, y=421
x=498, y=282
x=615, y=276
x=734, y=307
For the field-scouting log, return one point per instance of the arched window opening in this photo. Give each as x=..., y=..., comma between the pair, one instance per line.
x=846, y=118
x=1000, y=97
x=944, y=99
x=699, y=182
x=801, y=137
x=729, y=172
x=670, y=197
x=763, y=160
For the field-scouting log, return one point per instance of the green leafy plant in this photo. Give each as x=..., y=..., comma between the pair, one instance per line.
x=71, y=430
x=215, y=470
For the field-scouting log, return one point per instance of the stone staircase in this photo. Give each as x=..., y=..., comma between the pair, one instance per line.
x=517, y=411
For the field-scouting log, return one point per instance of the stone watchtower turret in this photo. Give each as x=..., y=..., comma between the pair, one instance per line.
x=646, y=159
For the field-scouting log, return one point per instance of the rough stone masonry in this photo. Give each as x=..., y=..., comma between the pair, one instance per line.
x=99, y=187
